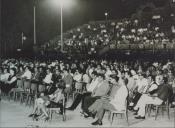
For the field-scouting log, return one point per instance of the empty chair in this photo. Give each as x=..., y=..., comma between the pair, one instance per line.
x=26, y=91
x=33, y=93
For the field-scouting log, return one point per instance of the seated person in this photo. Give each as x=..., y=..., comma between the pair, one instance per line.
x=4, y=75
x=78, y=76
x=48, y=86
x=67, y=78
x=101, y=90
x=115, y=102
x=53, y=100
x=151, y=88
x=141, y=87
x=10, y=83
x=163, y=92
x=113, y=81
x=80, y=96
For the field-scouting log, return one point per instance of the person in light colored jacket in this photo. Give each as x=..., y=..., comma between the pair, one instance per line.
x=117, y=102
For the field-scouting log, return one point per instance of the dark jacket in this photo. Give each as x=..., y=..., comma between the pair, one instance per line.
x=164, y=92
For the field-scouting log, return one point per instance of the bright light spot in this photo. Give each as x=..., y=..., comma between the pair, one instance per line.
x=106, y=13
x=64, y=3
x=18, y=50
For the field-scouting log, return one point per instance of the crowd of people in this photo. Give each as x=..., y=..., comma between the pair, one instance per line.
x=98, y=85
x=95, y=35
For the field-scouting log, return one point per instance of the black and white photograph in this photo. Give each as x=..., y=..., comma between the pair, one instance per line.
x=87, y=63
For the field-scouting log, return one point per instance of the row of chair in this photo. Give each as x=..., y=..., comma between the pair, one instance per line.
x=27, y=91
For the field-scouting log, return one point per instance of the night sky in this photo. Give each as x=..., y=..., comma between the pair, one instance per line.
x=17, y=16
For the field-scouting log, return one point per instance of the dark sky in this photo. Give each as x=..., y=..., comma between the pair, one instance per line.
x=17, y=16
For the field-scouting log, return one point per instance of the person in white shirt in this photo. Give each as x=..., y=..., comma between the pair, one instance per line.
x=78, y=77
x=27, y=74
x=159, y=76
x=108, y=72
x=48, y=77
x=141, y=87
x=53, y=100
x=5, y=75
x=92, y=68
x=90, y=87
x=86, y=78
x=131, y=84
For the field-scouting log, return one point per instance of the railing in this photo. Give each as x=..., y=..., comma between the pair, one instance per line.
x=143, y=46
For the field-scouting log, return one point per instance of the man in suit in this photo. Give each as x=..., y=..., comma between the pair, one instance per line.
x=116, y=101
x=101, y=90
x=164, y=91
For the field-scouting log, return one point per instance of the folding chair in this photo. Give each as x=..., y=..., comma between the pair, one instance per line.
x=51, y=110
x=124, y=111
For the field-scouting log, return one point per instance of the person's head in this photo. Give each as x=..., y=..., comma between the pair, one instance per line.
x=61, y=85
x=133, y=72
x=40, y=69
x=27, y=68
x=48, y=70
x=159, y=72
x=94, y=74
x=170, y=72
x=101, y=77
x=65, y=71
x=57, y=71
x=113, y=71
x=35, y=69
x=78, y=70
x=159, y=80
x=150, y=79
x=122, y=74
x=12, y=71
x=113, y=79
x=5, y=70
x=108, y=67
x=164, y=80
x=148, y=73
x=98, y=66
x=128, y=74
x=21, y=68
x=103, y=70
x=141, y=75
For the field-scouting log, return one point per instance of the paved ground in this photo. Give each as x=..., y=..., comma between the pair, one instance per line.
x=12, y=114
